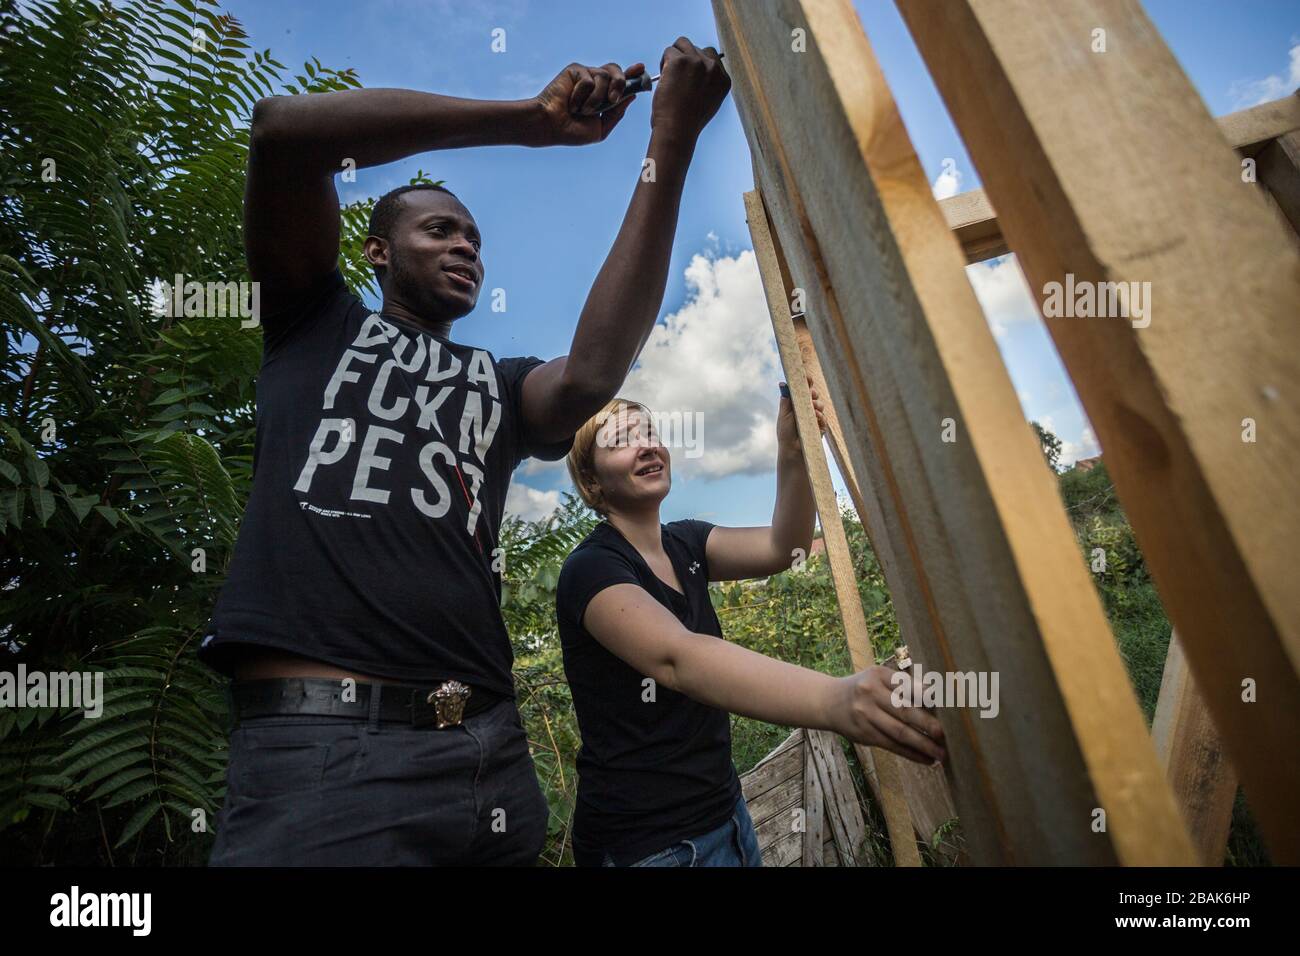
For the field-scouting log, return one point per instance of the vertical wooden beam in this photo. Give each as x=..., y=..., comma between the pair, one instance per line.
x=1204, y=783
x=991, y=579
x=1105, y=167
x=930, y=801
x=842, y=812
x=924, y=790
x=770, y=268
x=814, y=809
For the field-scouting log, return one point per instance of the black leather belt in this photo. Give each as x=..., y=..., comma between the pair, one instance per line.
x=442, y=705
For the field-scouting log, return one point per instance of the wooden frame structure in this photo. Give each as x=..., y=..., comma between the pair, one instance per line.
x=802, y=802
x=1269, y=129
x=1104, y=166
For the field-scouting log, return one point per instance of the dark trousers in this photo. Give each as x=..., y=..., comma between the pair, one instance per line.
x=337, y=791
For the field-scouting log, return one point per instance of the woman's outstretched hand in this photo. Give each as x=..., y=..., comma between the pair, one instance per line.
x=787, y=430
x=865, y=712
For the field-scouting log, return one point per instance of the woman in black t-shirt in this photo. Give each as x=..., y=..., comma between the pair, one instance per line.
x=653, y=683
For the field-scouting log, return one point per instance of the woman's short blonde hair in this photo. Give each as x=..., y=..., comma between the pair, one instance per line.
x=582, y=456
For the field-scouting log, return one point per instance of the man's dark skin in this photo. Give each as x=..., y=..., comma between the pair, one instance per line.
x=291, y=222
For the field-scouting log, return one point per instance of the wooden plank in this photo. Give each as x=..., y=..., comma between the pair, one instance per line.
x=972, y=220
x=829, y=856
x=814, y=811
x=781, y=823
x=1250, y=130
x=1278, y=170
x=773, y=789
x=1204, y=783
x=1107, y=168
x=865, y=497
x=899, y=786
x=785, y=852
x=869, y=506
x=843, y=814
x=771, y=773
x=923, y=790
x=774, y=273
x=890, y=773
x=930, y=801
x=794, y=740
x=992, y=580
x=787, y=793
x=837, y=822
x=971, y=217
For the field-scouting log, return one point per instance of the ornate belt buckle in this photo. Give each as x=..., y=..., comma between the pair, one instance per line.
x=449, y=702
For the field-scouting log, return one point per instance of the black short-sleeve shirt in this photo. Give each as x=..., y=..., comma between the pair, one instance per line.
x=382, y=459
x=653, y=769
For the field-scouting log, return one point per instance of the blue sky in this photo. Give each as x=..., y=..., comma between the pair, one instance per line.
x=548, y=217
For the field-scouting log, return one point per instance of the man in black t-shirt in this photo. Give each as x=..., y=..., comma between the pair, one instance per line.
x=361, y=617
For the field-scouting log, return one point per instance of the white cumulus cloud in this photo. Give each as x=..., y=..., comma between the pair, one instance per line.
x=716, y=357
x=1085, y=447
x=948, y=182
x=1003, y=293
x=530, y=504
x=1247, y=93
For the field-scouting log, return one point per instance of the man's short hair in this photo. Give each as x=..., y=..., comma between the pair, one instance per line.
x=384, y=215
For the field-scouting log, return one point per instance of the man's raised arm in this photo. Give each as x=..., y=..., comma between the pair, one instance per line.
x=624, y=300
x=298, y=143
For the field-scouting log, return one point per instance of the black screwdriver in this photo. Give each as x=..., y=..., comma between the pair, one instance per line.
x=640, y=83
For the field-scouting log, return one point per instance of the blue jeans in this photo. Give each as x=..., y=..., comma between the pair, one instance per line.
x=733, y=844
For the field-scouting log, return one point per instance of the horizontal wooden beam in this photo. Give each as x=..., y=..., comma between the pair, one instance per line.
x=971, y=216
x=1250, y=130
x=1279, y=173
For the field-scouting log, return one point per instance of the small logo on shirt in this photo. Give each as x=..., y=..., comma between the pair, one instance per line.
x=694, y=565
